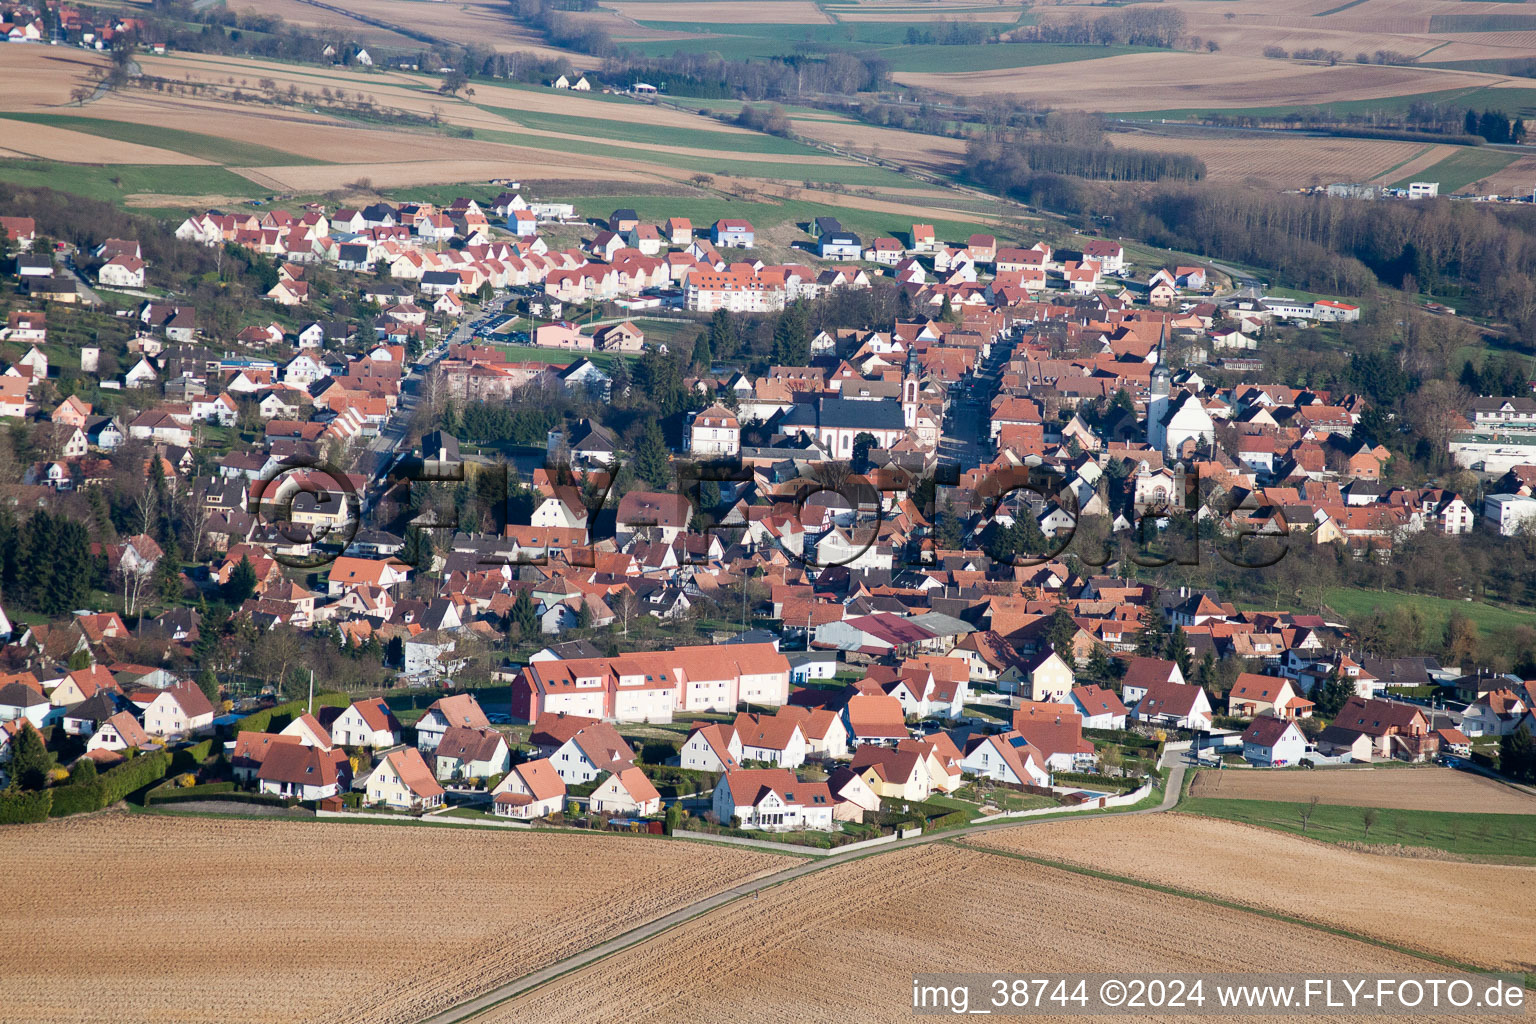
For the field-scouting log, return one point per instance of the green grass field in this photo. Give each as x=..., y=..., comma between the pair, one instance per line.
x=1471, y=834
x=1354, y=602
x=205, y=147
x=1462, y=168
x=888, y=39
x=1481, y=22
x=651, y=135
x=112, y=182
x=1516, y=102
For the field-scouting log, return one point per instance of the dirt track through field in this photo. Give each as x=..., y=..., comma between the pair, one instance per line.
x=843, y=944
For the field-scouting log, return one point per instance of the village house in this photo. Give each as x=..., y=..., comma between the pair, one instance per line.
x=401, y=780
x=772, y=800
x=459, y=710
x=627, y=792
x=1271, y=742
x=471, y=753
x=530, y=790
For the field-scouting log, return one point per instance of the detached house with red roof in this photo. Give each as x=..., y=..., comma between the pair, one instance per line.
x=1100, y=708
x=1271, y=742
x=894, y=774
x=297, y=770
x=348, y=572
x=176, y=712
x=874, y=718
x=626, y=791
x=733, y=232
x=465, y=753
x=776, y=739
x=120, y=732
x=403, y=781
x=581, y=749
x=711, y=747
x=1005, y=757
x=366, y=723
x=459, y=710
x=773, y=800
x=1253, y=694
x=530, y=790
x=1181, y=705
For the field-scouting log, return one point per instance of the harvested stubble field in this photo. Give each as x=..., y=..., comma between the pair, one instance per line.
x=1286, y=874
x=1173, y=81
x=933, y=153
x=56, y=143
x=1413, y=789
x=1281, y=161
x=842, y=944
x=35, y=76
x=230, y=921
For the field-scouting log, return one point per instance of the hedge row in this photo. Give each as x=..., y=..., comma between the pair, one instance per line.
x=191, y=758
x=1090, y=779
x=23, y=808
x=109, y=787
x=80, y=798
x=169, y=792
x=134, y=774
x=220, y=791
x=261, y=721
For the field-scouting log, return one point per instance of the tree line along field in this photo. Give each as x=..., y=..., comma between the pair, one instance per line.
x=852, y=936
x=232, y=921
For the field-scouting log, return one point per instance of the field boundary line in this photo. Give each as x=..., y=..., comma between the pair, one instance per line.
x=1529, y=979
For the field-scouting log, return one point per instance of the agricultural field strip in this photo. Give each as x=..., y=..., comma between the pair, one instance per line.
x=890, y=922
x=31, y=140
x=211, y=148
x=1264, y=870
x=1409, y=788
x=402, y=971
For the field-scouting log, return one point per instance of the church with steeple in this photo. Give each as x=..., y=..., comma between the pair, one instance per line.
x=1174, y=420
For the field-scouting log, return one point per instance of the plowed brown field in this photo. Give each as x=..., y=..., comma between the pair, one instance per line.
x=1171, y=81
x=154, y=919
x=1414, y=789
x=842, y=945
x=1317, y=881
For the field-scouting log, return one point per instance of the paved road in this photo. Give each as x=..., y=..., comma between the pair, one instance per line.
x=471, y=1008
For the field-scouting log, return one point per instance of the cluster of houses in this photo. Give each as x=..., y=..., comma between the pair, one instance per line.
x=110, y=707
x=90, y=29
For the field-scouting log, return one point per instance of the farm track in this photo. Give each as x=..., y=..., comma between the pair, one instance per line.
x=473, y=1008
